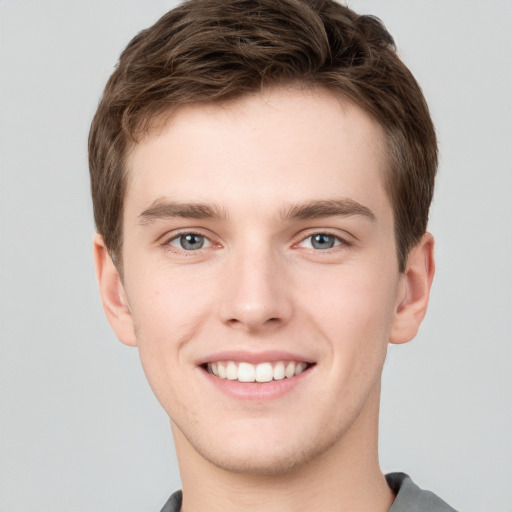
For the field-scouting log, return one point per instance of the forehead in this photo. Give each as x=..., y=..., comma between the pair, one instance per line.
x=283, y=144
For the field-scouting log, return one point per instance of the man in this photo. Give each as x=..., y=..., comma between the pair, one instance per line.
x=261, y=175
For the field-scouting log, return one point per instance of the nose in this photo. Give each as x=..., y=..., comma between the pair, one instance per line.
x=256, y=293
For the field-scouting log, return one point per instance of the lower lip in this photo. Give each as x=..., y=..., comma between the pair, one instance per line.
x=261, y=391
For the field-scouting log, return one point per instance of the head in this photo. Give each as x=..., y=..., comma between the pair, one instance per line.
x=261, y=176
x=205, y=51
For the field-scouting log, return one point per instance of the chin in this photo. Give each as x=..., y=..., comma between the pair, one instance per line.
x=264, y=457
x=260, y=464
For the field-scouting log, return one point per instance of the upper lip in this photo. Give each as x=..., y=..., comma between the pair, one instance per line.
x=268, y=356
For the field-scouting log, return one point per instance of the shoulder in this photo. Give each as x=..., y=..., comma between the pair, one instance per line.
x=173, y=504
x=410, y=498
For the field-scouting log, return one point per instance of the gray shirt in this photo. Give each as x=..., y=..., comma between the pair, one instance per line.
x=409, y=497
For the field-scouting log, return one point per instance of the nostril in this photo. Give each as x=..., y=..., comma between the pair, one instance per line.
x=253, y=324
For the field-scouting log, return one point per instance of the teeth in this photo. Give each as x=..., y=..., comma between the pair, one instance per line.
x=299, y=368
x=246, y=372
x=232, y=371
x=221, y=369
x=279, y=371
x=263, y=372
x=290, y=370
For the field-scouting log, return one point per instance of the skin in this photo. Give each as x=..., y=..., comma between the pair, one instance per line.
x=257, y=286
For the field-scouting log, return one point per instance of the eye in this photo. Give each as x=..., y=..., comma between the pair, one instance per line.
x=321, y=241
x=190, y=242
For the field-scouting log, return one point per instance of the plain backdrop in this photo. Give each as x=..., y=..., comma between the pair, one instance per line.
x=79, y=428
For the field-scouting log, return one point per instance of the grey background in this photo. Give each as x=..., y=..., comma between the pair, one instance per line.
x=79, y=427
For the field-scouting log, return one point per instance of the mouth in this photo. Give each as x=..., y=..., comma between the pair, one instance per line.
x=263, y=372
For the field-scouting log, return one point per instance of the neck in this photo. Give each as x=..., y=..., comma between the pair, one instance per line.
x=346, y=477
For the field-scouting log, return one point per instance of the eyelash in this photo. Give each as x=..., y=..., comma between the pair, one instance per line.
x=176, y=236
x=338, y=241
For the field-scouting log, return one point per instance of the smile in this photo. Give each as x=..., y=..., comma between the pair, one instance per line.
x=263, y=372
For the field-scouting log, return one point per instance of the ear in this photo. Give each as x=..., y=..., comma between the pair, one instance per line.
x=414, y=291
x=113, y=295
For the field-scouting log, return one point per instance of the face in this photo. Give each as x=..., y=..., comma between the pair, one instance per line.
x=260, y=275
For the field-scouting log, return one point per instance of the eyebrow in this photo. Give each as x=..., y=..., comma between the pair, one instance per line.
x=327, y=208
x=163, y=209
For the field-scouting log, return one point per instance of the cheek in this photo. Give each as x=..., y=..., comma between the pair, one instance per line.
x=353, y=308
x=167, y=314
x=168, y=310
x=165, y=300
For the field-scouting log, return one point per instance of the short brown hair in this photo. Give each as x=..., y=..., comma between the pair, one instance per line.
x=217, y=50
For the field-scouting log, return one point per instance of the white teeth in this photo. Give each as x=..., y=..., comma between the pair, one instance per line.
x=279, y=371
x=290, y=370
x=222, y=370
x=299, y=368
x=263, y=372
x=246, y=372
x=232, y=371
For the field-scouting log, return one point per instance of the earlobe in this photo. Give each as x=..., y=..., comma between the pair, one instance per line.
x=113, y=294
x=414, y=291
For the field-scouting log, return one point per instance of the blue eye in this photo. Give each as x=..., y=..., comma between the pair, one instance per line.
x=190, y=242
x=321, y=241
